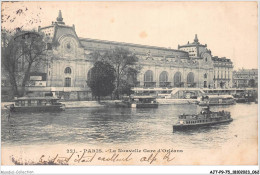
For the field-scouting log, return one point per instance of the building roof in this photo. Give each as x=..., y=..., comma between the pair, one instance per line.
x=222, y=59
x=195, y=43
x=61, y=28
x=246, y=71
x=130, y=44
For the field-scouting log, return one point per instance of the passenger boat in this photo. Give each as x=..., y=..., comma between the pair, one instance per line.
x=216, y=100
x=169, y=101
x=36, y=104
x=243, y=98
x=138, y=102
x=204, y=118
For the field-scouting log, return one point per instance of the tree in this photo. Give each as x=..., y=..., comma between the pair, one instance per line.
x=102, y=78
x=124, y=63
x=126, y=69
x=22, y=53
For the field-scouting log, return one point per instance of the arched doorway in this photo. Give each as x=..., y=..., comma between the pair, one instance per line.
x=190, y=80
x=67, y=82
x=163, y=79
x=177, y=80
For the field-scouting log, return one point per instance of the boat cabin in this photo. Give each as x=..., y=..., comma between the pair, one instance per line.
x=143, y=99
x=216, y=100
x=35, y=101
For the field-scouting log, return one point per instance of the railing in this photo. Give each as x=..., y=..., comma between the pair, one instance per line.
x=165, y=84
x=149, y=84
x=64, y=89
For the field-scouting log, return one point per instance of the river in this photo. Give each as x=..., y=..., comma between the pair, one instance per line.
x=126, y=126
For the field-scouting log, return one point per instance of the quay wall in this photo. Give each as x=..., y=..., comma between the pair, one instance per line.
x=70, y=104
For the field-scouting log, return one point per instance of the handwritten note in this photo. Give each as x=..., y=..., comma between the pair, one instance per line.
x=100, y=156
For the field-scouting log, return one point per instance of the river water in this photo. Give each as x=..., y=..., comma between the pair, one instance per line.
x=126, y=126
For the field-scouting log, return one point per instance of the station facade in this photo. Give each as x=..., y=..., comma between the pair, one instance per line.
x=191, y=65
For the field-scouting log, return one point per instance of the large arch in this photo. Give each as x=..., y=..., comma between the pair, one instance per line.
x=190, y=79
x=148, y=79
x=177, y=80
x=163, y=79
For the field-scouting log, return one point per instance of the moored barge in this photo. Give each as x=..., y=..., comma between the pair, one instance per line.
x=138, y=102
x=216, y=100
x=36, y=104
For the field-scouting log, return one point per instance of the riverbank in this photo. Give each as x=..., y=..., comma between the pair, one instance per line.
x=78, y=104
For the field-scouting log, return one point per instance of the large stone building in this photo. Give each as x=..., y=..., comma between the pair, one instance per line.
x=192, y=65
x=245, y=78
x=221, y=68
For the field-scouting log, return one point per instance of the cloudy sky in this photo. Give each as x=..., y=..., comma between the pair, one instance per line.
x=228, y=28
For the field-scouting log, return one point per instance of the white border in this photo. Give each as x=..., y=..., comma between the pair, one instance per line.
x=169, y=169
x=122, y=169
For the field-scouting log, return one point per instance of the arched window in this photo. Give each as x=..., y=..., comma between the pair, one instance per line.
x=148, y=79
x=67, y=82
x=190, y=79
x=67, y=70
x=205, y=75
x=163, y=77
x=148, y=76
x=177, y=79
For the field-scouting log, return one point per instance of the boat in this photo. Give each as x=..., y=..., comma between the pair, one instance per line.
x=204, y=118
x=36, y=104
x=169, y=101
x=240, y=98
x=138, y=102
x=216, y=100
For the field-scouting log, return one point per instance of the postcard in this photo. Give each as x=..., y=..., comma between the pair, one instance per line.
x=129, y=83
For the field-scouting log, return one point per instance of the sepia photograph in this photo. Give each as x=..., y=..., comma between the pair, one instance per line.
x=129, y=83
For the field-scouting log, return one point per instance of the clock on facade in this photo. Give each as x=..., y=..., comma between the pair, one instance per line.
x=69, y=46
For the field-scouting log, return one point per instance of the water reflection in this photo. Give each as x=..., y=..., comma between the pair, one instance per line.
x=126, y=126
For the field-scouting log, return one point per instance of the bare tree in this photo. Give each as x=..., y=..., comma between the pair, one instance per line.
x=21, y=53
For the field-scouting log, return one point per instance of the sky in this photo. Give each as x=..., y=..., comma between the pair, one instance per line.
x=230, y=29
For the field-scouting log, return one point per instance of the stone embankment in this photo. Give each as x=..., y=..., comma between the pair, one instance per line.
x=78, y=104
